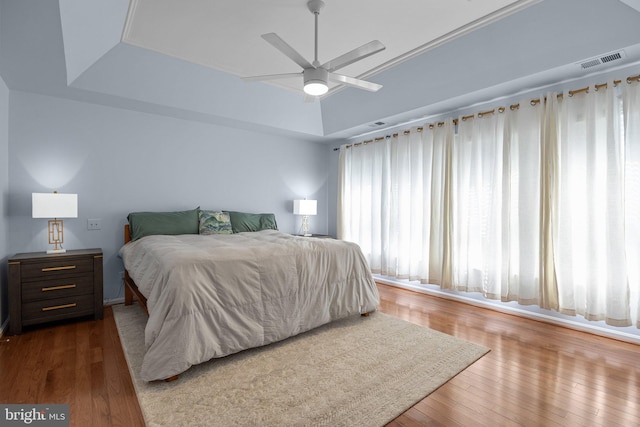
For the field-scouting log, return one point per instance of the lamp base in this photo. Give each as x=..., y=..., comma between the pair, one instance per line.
x=56, y=236
x=305, y=225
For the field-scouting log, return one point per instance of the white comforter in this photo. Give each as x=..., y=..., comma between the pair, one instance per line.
x=210, y=296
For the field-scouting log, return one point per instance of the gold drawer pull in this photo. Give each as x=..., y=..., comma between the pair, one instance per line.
x=66, y=267
x=58, y=307
x=57, y=288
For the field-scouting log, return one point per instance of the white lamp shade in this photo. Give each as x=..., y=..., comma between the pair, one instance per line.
x=54, y=205
x=305, y=207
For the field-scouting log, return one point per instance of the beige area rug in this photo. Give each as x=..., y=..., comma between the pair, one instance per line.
x=356, y=371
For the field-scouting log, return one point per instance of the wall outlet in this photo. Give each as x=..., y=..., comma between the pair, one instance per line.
x=93, y=224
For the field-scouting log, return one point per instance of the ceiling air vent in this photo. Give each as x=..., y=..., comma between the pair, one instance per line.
x=601, y=60
x=376, y=124
x=612, y=57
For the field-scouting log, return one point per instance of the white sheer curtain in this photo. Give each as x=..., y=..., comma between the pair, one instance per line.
x=496, y=205
x=595, y=237
x=362, y=193
x=539, y=204
x=477, y=167
x=391, y=197
x=631, y=108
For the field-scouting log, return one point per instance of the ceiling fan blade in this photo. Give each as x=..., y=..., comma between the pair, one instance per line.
x=350, y=81
x=354, y=55
x=270, y=77
x=283, y=47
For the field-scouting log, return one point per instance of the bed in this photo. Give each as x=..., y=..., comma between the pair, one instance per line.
x=211, y=295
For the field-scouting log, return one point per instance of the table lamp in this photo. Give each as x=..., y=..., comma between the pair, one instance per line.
x=305, y=208
x=54, y=205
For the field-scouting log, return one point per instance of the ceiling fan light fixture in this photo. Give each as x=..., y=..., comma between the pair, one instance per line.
x=315, y=88
x=315, y=81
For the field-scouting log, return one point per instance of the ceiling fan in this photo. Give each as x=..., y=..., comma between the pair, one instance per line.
x=316, y=76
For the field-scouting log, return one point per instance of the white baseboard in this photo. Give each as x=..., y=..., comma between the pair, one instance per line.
x=4, y=327
x=113, y=301
x=503, y=308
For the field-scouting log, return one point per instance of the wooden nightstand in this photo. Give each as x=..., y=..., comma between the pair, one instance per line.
x=46, y=287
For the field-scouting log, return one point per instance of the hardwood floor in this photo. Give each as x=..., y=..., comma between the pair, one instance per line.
x=535, y=375
x=80, y=364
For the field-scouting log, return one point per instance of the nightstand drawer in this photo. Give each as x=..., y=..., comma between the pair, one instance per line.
x=53, y=268
x=56, y=309
x=57, y=288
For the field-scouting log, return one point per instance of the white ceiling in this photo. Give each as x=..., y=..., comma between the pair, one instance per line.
x=225, y=34
x=74, y=49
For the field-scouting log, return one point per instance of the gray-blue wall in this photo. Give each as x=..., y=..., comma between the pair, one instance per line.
x=119, y=161
x=4, y=194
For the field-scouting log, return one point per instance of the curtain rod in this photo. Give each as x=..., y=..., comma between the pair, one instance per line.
x=499, y=109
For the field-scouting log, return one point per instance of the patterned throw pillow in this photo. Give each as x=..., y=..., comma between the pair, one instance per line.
x=212, y=222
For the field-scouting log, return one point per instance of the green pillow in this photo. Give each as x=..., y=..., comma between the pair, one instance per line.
x=242, y=221
x=212, y=222
x=143, y=224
